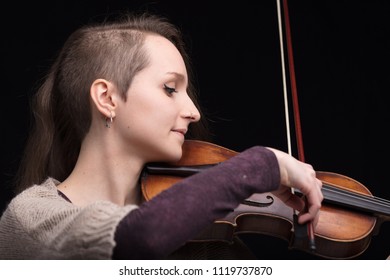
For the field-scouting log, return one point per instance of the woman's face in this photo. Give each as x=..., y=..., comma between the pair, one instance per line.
x=152, y=123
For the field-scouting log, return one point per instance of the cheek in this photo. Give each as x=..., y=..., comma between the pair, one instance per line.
x=148, y=114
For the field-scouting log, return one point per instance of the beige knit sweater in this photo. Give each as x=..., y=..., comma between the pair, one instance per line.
x=40, y=224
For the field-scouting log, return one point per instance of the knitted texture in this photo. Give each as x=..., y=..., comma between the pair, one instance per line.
x=49, y=227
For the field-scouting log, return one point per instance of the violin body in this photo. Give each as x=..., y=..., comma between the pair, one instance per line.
x=343, y=232
x=347, y=219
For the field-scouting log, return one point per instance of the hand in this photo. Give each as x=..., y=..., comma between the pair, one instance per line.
x=301, y=176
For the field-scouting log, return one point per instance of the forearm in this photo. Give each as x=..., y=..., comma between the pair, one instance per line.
x=178, y=214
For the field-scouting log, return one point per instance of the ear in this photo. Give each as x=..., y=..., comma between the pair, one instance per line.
x=102, y=94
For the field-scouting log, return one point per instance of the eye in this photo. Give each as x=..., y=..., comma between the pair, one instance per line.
x=169, y=90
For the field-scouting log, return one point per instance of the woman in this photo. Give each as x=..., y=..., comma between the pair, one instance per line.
x=119, y=96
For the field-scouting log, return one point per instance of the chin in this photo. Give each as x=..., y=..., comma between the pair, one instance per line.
x=171, y=155
x=176, y=156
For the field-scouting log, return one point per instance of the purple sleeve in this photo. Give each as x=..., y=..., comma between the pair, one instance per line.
x=178, y=214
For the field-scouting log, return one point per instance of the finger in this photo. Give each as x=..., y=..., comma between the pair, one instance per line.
x=295, y=202
x=314, y=198
x=314, y=206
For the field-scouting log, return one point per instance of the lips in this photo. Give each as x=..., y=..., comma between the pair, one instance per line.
x=182, y=131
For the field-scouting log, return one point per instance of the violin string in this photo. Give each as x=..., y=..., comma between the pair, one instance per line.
x=360, y=199
x=358, y=195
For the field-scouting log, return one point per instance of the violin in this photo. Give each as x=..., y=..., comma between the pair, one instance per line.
x=349, y=217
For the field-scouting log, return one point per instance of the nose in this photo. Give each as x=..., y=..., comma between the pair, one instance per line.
x=190, y=111
x=193, y=116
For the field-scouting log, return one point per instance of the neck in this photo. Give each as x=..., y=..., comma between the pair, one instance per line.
x=103, y=173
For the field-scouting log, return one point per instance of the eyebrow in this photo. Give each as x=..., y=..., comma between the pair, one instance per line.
x=177, y=75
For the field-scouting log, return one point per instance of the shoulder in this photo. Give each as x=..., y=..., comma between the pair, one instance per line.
x=47, y=189
x=37, y=196
x=35, y=202
x=40, y=202
x=49, y=226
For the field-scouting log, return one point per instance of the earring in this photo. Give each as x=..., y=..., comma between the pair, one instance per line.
x=109, y=121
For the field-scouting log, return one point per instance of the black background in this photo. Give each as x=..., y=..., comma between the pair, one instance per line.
x=341, y=54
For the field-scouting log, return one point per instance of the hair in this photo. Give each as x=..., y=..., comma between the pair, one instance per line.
x=112, y=50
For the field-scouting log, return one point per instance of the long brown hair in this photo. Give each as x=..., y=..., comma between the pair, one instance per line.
x=112, y=50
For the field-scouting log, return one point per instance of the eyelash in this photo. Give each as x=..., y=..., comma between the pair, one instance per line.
x=169, y=89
